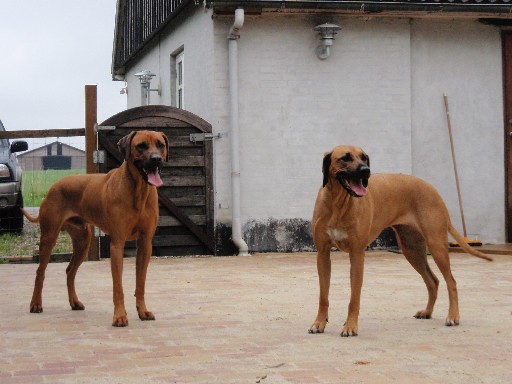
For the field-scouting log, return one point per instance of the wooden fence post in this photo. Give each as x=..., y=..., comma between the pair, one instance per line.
x=91, y=117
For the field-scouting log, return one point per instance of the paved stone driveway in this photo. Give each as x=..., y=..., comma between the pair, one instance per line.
x=244, y=320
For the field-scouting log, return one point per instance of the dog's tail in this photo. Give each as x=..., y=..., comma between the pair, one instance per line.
x=465, y=246
x=32, y=219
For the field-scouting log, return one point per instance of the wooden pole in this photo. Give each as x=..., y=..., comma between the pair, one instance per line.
x=454, y=162
x=91, y=117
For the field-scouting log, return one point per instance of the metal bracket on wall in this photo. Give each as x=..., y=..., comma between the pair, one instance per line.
x=195, y=137
x=98, y=157
x=98, y=128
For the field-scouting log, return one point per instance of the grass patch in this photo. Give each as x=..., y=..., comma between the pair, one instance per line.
x=27, y=244
x=35, y=187
x=10, y=245
x=36, y=184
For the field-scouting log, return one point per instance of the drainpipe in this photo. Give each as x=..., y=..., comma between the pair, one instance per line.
x=233, y=36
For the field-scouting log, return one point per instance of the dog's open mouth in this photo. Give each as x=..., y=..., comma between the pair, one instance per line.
x=151, y=172
x=355, y=183
x=153, y=177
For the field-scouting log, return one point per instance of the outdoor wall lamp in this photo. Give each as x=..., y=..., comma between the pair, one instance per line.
x=124, y=90
x=145, y=85
x=326, y=32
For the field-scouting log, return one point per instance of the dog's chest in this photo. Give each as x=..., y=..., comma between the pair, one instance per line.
x=336, y=235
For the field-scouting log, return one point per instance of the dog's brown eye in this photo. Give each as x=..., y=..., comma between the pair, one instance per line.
x=364, y=158
x=347, y=158
x=141, y=147
x=159, y=144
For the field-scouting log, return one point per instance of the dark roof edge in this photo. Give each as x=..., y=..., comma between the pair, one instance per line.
x=118, y=69
x=371, y=6
x=115, y=40
x=475, y=8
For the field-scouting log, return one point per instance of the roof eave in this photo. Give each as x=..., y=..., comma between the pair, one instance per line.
x=365, y=7
x=118, y=69
x=404, y=8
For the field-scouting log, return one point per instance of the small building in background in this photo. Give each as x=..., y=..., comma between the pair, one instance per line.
x=55, y=155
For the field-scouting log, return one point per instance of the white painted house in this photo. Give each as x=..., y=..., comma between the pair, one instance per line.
x=278, y=107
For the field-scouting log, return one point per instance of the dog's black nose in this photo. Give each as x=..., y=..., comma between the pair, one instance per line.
x=364, y=170
x=155, y=158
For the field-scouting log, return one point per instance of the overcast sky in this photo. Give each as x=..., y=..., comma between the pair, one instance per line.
x=49, y=51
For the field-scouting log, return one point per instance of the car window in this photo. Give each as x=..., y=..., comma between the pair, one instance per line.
x=4, y=143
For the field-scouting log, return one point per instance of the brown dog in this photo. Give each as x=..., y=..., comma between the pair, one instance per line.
x=352, y=209
x=122, y=203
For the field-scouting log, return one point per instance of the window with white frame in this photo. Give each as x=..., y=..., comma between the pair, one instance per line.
x=179, y=81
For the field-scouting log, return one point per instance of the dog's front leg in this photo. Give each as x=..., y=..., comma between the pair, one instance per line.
x=323, y=263
x=356, y=282
x=116, y=261
x=144, y=250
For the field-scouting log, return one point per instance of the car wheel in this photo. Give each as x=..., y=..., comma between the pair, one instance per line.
x=14, y=221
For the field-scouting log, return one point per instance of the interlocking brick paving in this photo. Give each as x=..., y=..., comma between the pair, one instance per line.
x=245, y=320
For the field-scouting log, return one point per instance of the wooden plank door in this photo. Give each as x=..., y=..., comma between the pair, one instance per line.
x=507, y=81
x=186, y=223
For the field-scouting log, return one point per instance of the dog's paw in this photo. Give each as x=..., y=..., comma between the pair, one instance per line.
x=451, y=322
x=144, y=316
x=423, y=314
x=314, y=330
x=120, y=321
x=317, y=327
x=36, y=308
x=77, y=306
x=348, y=331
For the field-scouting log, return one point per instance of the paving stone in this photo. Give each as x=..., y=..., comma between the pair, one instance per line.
x=245, y=320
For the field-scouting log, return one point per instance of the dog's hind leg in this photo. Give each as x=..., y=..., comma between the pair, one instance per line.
x=81, y=236
x=439, y=248
x=46, y=244
x=413, y=247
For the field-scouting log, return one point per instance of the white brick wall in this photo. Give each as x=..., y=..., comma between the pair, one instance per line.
x=195, y=37
x=294, y=107
x=463, y=59
x=381, y=89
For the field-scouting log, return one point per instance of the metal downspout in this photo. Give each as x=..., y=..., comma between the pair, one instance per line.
x=233, y=37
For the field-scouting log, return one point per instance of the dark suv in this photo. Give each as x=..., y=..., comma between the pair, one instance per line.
x=11, y=199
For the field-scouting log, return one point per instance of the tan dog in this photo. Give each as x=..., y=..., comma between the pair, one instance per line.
x=352, y=209
x=122, y=203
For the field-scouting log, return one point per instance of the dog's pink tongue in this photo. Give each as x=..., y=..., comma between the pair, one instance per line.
x=358, y=188
x=155, y=179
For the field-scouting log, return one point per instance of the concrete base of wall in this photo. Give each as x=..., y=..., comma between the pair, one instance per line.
x=283, y=235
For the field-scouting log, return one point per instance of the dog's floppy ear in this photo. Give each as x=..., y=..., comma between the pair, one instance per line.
x=325, y=168
x=166, y=147
x=124, y=144
x=367, y=160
